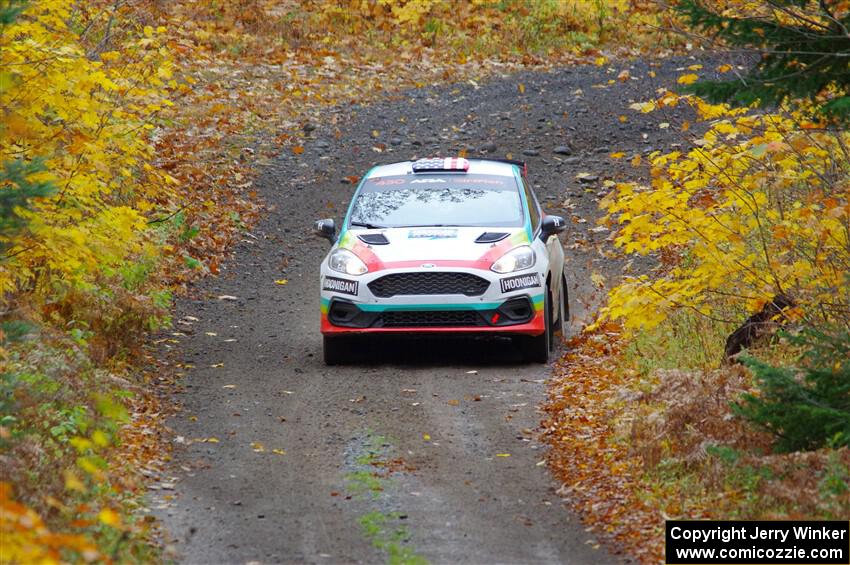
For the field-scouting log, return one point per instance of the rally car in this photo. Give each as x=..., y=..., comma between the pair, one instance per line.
x=447, y=245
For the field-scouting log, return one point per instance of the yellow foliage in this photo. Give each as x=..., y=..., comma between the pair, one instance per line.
x=759, y=207
x=86, y=111
x=26, y=539
x=485, y=28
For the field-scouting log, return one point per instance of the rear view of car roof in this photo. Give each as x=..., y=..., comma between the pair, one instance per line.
x=476, y=166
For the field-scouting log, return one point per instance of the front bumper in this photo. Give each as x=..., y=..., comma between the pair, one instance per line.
x=354, y=309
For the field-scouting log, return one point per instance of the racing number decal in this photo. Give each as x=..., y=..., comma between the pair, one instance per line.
x=519, y=282
x=340, y=285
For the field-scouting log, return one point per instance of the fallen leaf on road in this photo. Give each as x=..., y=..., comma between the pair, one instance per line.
x=453, y=402
x=279, y=451
x=503, y=455
x=426, y=437
x=598, y=279
x=281, y=281
x=217, y=365
x=211, y=334
x=257, y=447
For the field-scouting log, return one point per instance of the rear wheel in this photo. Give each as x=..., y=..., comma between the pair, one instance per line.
x=538, y=348
x=335, y=349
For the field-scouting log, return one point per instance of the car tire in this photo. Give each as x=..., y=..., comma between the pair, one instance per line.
x=335, y=350
x=538, y=348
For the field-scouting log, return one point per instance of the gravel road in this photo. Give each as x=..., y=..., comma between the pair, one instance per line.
x=424, y=449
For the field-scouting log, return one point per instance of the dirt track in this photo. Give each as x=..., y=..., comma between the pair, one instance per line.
x=436, y=419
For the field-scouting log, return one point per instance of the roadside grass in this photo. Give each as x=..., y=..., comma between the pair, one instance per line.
x=687, y=342
x=73, y=445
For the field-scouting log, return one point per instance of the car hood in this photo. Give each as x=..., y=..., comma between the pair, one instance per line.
x=433, y=244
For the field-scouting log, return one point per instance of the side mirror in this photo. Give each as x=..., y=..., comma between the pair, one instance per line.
x=552, y=225
x=325, y=228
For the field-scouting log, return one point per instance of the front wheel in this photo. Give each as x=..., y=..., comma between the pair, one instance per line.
x=538, y=348
x=336, y=350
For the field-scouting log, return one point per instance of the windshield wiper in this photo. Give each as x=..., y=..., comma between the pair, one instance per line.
x=368, y=226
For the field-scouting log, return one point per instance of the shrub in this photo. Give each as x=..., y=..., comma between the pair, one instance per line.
x=805, y=408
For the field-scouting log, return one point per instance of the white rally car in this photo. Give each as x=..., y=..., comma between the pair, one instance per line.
x=454, y=246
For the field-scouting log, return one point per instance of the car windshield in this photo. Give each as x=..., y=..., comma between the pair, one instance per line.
x=438, y=200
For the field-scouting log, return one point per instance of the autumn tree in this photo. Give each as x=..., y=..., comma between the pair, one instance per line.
x=802, y=48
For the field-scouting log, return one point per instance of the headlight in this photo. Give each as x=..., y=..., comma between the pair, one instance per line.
x=346, y=262
x=515, y=260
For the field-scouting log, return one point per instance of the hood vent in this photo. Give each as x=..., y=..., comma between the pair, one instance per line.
x=491, y=237
x=374, y=238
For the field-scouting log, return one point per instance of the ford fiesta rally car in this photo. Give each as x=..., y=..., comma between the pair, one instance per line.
x=451, y=246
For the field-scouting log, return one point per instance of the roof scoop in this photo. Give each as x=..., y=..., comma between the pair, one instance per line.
x=373, y=238
x=491, y=237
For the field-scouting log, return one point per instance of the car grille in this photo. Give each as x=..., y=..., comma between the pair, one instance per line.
x=428, y=283
x=425, y=318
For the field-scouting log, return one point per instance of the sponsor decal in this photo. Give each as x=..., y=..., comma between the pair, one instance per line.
x=519, y=282
x=340, y=285
x=432, y=234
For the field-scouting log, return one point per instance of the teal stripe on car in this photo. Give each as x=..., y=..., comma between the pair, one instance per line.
x=420, y=307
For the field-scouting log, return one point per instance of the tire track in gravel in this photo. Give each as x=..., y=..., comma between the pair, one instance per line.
x=448, y=410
